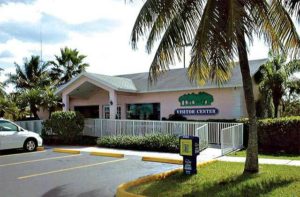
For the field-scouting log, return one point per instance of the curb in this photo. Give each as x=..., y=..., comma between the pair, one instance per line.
x=59, y=150
x=121, y=190
x=117, y=155
x=163, y=160
x=40, y=148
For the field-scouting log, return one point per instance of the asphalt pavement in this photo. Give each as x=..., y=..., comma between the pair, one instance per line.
x=50, y=174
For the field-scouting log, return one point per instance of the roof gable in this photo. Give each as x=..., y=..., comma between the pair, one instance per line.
x=173, y=80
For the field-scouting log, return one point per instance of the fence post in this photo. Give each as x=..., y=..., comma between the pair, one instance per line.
x=153, y=127
x=222, y=143
x=233, y=138
x=101, y=128
x=133, y=128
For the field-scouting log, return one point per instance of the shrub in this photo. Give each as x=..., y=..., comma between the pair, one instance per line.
x=66, y=125
x=154, y=142
x=279, y=134
x=276, y=135
x=177, y=117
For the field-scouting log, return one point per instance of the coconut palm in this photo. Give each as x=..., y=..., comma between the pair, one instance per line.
x=32, y=74
x=68, y=65
x=217, y=30
x=273, y=77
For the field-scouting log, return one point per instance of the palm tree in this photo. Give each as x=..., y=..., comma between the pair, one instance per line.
x=32, y=98
x=217, y=30
x=32, y=74
x=50, y=101
x=273, y=77
x=68, y=65
x=8, y=108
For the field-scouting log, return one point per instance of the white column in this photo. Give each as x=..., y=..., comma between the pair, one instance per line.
x=65, y=100
x=113, y=104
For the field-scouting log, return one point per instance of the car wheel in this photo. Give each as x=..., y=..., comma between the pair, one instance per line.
x=30, y=145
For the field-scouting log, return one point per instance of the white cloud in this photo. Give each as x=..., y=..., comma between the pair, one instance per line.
x=108, y=52
x=19, y=12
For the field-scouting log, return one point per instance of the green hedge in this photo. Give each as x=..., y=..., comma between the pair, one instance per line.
x=155, y=142
x=66, y=125
x=277, y=135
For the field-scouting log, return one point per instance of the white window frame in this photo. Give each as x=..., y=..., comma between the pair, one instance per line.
x=107, y=107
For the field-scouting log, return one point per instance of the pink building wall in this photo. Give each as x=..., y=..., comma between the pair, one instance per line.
x=229, y=102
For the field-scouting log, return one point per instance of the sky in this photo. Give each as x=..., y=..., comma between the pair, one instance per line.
x=99, y=29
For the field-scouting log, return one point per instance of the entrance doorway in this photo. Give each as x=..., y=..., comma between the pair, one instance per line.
x=91, y=111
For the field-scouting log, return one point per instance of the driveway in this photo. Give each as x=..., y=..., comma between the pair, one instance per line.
x=52, y=174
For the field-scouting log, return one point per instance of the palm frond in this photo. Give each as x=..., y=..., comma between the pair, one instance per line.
x=293, y=7
x=284, y=28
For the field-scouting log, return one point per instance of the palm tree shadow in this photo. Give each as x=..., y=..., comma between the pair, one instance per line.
x=242, y=185
x=233, y=186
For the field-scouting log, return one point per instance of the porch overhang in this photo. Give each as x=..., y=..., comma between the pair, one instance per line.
x=102, y=81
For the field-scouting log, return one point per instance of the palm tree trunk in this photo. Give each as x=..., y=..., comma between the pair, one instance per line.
x=34, y=111
x=276, y=110
x=251, y=164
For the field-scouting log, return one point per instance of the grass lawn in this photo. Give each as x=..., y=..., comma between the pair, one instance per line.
x=227, y=179
x=242, y=153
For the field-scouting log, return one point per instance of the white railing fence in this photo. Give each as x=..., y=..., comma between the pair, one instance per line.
x=232, y=138
x=202, y=133
x=107, y=127
x=228, y=135
x=214, y=131
x=32, y=125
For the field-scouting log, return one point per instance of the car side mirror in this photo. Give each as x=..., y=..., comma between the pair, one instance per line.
x=20, y=129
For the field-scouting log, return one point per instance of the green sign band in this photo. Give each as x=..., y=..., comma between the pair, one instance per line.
x=200, y=99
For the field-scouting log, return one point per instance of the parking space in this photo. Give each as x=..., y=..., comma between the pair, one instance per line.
x=47, y=173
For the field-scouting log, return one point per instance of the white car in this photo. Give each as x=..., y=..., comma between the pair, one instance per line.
x=13, y=136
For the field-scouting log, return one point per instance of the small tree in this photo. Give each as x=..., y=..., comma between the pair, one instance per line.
x=66, y=125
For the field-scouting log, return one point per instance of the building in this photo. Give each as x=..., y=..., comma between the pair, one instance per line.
x=131, y=97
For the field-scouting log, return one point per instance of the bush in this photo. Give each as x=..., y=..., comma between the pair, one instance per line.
x=279, y=134
x=154, y=142
x=177, y=117
x=66, y=125
x=276, y=135
x=80, y=140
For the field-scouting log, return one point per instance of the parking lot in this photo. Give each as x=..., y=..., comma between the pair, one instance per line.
x=47, y=173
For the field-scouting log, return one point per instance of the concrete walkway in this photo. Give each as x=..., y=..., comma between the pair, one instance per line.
x=263, y=161
x=206, y=155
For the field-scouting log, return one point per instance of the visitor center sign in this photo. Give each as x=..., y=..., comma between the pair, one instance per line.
x=200, y=99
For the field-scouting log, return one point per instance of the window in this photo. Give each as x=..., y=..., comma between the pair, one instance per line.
x=106, y=112
x=7, y=126
x=143, y=111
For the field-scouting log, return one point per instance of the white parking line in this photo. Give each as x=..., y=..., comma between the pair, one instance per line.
x=69, y=169
x=22, y=154
x=37, y=160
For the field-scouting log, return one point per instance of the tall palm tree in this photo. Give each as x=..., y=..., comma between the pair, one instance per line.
x=68, y=65
x=217, y=30
x=32, y=74
x=273, y=77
